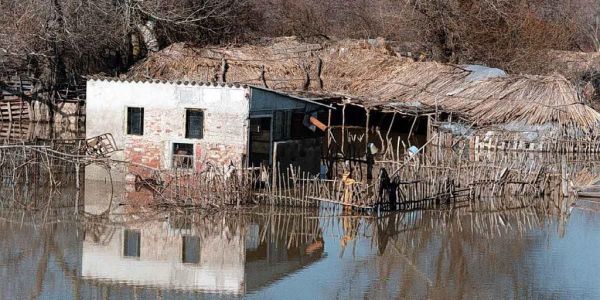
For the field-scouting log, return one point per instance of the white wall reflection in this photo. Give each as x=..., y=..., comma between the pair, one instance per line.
x=220, y=253
x=207, y=263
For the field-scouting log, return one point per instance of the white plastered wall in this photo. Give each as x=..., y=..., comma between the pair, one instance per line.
x=225, y=115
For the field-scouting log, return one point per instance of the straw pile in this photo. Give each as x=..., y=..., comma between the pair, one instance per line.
x=524, y=99
x=370, y=74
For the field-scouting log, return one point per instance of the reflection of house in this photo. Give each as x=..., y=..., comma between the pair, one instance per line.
x=270, y=261
x=149, y=255
x=154, y=255
x=176, y=254
x=183, y=125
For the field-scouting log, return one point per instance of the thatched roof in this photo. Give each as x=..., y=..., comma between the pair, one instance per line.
x=370, y=74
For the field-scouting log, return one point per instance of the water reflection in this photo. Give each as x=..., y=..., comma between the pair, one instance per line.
x=95, y=244
x=223, y=252
x=157, y=255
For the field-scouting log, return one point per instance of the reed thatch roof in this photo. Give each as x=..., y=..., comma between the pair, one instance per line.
x=368, y=73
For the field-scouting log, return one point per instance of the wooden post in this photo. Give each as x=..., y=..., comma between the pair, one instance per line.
x=367, y=129
x=9, y=106
x=262, y=76
x=411, y=130
x=20, y=97
x=328, y=129
x=223, y=76
x=387, y=134
x=343, y=127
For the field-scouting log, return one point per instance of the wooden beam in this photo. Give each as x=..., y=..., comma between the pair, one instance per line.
x=343, y=127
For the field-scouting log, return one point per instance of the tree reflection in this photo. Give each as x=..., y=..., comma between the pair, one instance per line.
x=449, y=254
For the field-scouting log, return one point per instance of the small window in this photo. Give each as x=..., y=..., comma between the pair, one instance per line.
x=194, y=124
x=131, y=243
x=135, y=120
x=191, y=249
x=183, y=156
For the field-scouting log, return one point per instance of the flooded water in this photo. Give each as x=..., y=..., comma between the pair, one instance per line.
x=85, y=246
x=65, y=243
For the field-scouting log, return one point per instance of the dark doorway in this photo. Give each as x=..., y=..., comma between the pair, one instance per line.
x=260, y=142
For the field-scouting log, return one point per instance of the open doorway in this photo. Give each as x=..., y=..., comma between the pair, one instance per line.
x=260, y=142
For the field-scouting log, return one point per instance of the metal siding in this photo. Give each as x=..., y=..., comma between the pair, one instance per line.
x=265, y=102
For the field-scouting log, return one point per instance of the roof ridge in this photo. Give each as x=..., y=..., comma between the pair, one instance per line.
x=163, y=81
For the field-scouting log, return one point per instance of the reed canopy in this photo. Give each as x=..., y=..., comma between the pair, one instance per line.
x=371, y=74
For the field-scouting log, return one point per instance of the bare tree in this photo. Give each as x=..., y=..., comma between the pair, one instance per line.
x=83, y=36
x=586, y=15
x=56, y=39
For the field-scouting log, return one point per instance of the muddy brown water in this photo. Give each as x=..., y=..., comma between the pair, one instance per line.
x=83, y=246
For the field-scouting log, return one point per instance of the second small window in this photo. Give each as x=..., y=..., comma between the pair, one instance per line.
x=135, y=120
x=194, y=124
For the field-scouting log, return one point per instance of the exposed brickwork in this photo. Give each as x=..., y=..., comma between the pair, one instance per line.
x=218, y=154
x=223, y=142
x=226, y=111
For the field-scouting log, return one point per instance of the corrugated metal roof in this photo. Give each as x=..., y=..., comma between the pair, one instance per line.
x=158, y=81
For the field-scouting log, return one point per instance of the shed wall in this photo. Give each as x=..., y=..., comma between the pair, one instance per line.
x=265, y=102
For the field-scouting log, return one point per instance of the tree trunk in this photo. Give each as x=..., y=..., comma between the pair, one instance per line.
x=149, y=35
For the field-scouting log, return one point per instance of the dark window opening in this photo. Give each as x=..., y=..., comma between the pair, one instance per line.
x=135, y=120
x=194, y=124
x=191, y=249
x=281, y=125
x=131, y=243
x=183, y=156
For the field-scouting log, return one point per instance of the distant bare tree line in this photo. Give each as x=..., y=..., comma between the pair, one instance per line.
x=500, y=33
x=56, y=39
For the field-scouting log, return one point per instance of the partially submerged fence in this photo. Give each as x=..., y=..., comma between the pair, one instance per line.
x=420, y=182
x=504, y=140
x=423, y=180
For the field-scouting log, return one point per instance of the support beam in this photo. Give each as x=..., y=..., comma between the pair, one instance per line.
x=343, y=128
x=367, y=129
x=411, y=130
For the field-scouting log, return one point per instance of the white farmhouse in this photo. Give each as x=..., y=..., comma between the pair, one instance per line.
x=167, y=125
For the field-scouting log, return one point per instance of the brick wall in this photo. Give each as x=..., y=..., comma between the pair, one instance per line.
x=226, y=111
x=223, y=142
